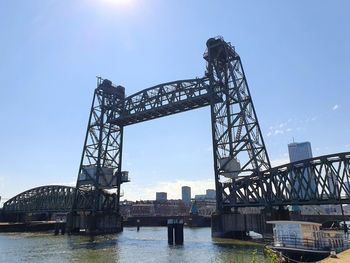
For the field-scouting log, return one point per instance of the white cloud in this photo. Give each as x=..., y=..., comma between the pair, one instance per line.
x=335, y=107
x=172, y=188
x=280, y=128
x=278, y=162
x=278, y=132
x=72, y=183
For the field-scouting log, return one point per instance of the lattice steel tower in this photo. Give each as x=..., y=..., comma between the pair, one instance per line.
x=100, y=174
x=238, y=144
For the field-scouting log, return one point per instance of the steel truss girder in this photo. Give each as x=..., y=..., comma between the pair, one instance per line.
x=51, y=198
x=163, y=100
x=316, y=181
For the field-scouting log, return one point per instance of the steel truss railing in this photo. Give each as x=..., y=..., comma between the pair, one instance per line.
x=165, y=99
x=50, y=198
x=320, y=180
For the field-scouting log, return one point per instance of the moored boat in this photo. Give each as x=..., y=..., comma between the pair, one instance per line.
x=306, y=241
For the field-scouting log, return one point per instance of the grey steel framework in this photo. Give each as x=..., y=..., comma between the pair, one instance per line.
x=243, y=175
x=276, y=187
x=164, y=99
x=315, y=181
x=238, y=144
x=100, y=175
x=49, y=198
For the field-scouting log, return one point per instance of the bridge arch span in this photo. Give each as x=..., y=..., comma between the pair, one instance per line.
x=47, y=198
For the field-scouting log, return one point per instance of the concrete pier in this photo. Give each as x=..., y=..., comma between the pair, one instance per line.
x=100, y=223
x=237, y=225
x=234, y=225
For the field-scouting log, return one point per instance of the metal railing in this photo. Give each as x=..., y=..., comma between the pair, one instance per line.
x=329, y=243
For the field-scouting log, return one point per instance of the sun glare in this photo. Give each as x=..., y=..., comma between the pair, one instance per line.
x=119, y=2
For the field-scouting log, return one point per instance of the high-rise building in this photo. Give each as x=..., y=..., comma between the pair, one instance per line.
x=301, y=151
x=161, y=196
x=186, y=194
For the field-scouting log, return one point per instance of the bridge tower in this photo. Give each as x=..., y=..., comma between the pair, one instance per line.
x=238, y=145
x=100, y=174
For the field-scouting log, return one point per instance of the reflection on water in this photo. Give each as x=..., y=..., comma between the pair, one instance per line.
x=147, y=245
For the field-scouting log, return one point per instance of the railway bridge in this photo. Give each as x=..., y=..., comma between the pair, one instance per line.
x=242, y=171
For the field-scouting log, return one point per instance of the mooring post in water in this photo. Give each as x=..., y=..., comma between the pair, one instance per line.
x=179, y=233
x=57, y=229
x=138, y=224
x=170, y=231
x=60, y=225
x=175, y=231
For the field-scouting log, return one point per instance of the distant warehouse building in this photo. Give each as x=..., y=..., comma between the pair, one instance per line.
x=210, y=194
x=161, y=196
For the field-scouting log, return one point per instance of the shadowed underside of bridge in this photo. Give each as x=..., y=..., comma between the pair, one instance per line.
x=327, y=182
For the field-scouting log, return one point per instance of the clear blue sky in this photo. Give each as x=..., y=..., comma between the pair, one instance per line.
x=296, y=55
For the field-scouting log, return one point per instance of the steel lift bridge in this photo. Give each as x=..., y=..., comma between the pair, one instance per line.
x=243, y=174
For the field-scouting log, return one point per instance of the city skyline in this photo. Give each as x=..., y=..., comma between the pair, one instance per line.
x=296, y=91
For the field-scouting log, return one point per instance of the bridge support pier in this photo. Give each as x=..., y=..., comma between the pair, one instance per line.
x=95, y=224
x=235, y=225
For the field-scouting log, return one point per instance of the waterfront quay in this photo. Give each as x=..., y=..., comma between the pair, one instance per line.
x=343, y=257
x=32, y=226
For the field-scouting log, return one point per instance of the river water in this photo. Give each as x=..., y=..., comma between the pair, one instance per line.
x=147, y=245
